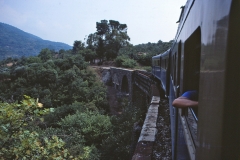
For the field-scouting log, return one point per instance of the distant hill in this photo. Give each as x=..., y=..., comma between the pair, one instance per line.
x=17, y=43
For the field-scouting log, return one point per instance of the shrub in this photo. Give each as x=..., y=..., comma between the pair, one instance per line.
x=92, y=125
x=129, y=63
x=124, y=61
x=19, y=141
x=61, y=112
x=118, y=144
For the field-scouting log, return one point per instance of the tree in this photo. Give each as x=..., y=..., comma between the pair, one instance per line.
x=89, y=55
x=77, y=46
x=102, y=28
x=92, y=41
x=116, y=38
x=108, y=39
x=100, y=49
x=46, y=54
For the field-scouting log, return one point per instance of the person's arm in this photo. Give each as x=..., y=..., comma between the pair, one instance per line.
x=183, y=102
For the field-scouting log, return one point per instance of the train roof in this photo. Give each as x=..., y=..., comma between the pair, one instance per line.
x=162, y=54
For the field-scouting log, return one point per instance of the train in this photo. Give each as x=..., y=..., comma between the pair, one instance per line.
x=204, y=56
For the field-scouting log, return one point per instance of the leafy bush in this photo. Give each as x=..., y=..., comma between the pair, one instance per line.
x=92, y=125
x=61, y=112
x=118, y=144
x=119, y=60
x=19, y=141
x=74, y=142
x=129, y=63
x=124, y=61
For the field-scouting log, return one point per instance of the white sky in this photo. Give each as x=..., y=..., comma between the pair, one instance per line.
x=69, y=20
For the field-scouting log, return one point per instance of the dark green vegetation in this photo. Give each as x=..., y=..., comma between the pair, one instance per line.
x=17, y=43
x=79, y=124
x=142, y=53
x=74, y=121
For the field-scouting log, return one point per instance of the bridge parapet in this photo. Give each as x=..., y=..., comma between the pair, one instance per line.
x=144, y=81
x=144, y=148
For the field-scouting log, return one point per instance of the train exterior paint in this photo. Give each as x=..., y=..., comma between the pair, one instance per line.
x=205, y=56
x=159, y=67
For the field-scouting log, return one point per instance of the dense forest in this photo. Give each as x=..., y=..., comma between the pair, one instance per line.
x=17, y=43
x=53, y=105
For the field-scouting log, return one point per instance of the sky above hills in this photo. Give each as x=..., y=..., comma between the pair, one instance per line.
x=69, y=20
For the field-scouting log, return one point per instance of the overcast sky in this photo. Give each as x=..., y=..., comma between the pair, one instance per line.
x=69, y=20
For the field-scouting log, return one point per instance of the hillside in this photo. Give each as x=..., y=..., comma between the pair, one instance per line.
x=17, y=43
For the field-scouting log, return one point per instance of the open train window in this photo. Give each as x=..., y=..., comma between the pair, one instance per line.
x=191, y=73
x=192, y=51
x=178, y=67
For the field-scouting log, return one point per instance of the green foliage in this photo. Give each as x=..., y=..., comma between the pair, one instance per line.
x=71, y=87
x=18, y=141
x=65, y=80
x=88, y=54
x=92, y=125
x=74, y=142
x=92, y=41
x=129, y=63
x=124, y=61
x=33, y=59
x=143, y=53
x=78, y=46
x=46, y=54
x=118, y=144
x=61, y=112
x=108, y=39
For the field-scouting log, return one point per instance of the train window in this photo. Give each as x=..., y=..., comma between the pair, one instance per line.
x=179, y=67
x=192, y=50
x=191, y=71
x=175, y=69
x=172, y=69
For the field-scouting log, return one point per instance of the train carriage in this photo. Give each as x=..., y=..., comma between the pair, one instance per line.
x=205, y=57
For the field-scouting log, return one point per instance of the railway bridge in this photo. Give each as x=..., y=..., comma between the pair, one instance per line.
x=125, y=81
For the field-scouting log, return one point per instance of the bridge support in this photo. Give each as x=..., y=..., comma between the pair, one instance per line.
x=122, y=79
